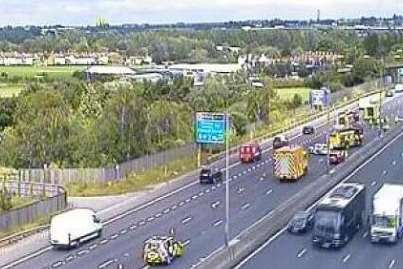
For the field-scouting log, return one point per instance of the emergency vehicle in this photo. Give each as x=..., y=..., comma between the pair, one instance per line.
x=250, y=153
x=290, y=163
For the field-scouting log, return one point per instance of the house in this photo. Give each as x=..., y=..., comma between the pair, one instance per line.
x=213, y=69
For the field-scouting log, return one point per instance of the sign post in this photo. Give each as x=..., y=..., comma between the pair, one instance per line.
x=214, y=128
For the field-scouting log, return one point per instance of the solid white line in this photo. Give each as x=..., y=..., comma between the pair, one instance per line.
x=278, y=234
x=26, y=258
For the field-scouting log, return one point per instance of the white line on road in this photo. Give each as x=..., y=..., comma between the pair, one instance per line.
x=218, y=223
x=301, y=253
x=373, y=183
x=215, y=204
x=392, y=263
x=186, y=220
x=245, y=206
x=346, y=258
x=269, y=192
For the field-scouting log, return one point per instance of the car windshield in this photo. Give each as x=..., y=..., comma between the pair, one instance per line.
x=205, y=171
x=327, y=221
x=152, y=245
x=383, y=221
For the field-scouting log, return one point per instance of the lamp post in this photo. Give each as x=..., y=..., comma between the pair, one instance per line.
x=227, y=200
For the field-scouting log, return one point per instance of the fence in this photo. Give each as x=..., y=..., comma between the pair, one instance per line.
x=53, y=199
x=103, y=175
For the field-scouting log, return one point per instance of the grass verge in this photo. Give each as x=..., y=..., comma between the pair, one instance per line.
x=135, y=182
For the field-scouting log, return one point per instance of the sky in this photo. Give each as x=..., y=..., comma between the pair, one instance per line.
x=85, y=12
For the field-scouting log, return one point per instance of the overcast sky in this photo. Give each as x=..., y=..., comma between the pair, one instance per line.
x=84, y=12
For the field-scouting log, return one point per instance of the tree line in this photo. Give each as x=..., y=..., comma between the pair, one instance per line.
x=200, y=46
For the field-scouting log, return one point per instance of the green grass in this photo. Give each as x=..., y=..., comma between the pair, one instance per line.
x=18, y=229
x=19, y=202
x=288, y=93
x=33, y=71
x=10, y=90
x=135, y=182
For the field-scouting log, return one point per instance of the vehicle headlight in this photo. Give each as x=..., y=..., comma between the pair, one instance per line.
x=337, y=236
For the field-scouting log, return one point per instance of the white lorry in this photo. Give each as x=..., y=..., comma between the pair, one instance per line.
x=74, y=227
x=399, y=88
x=386, y=215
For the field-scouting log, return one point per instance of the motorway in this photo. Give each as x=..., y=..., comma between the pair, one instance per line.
x=289, y=251
x=197, y=213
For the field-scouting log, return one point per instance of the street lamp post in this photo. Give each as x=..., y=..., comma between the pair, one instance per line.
x=227, y=201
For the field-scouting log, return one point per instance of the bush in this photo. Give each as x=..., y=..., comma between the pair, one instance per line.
x=5, y=200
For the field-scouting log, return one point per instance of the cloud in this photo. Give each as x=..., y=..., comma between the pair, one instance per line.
x=77, y=12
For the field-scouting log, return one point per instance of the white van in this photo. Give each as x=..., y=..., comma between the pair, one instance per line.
x=73, y=227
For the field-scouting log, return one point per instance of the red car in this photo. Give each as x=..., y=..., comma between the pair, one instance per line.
x=250, y=153
x=336, y=157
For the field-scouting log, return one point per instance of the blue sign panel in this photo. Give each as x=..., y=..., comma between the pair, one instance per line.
x=210, y=128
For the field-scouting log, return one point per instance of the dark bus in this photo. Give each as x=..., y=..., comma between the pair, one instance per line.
x=339, y=216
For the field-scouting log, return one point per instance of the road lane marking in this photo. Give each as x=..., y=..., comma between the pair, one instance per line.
x=181, y=203
x=392, y=263
x=269, y=192
x=187, y=242
x=114, y=236
x=373, y=183
x=218, y=223
x=384, y=172
x=394, y=163
x=57, y=264
x=186, y=220
x=166, y=210
x=106, y=264
x=103, y=242
x=301, y=253
x=215, y=204
x=346, y=258
x=240, y=190
x=245, y=206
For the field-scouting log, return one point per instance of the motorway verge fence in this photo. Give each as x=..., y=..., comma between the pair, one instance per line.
x=255, y=236
x=51, y=199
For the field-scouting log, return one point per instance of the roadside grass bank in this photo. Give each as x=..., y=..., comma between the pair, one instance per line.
x=134, y=182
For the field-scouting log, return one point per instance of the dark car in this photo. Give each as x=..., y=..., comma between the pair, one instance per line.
x=389, y=93
x=208, y=176
x=336, y=157
x=280, y=141
x=302, y=222
x=308, y=130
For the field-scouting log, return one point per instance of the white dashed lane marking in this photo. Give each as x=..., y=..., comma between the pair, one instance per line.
x=346, y=258
x=217, y=223
x=186, y=220
x=392, y=263
x=245, y=206
x=269, y=192
x=301, y=253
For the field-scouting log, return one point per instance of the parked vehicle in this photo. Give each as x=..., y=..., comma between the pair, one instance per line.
x=208, y=176
x=308, y=130
x=387, y=214
x=290, y=163
x=280, y=141
x=302, y=222
x=319, y=149
x=337, y=156
x=339, y=216
x=74, y=227
x=250, y=153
